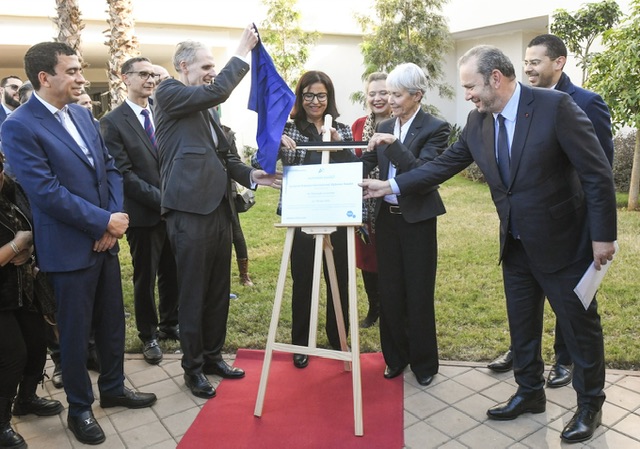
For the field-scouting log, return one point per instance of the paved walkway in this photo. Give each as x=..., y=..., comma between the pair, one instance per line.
x=450, y=413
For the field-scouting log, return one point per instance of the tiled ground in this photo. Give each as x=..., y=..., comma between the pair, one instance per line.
x=450, y=413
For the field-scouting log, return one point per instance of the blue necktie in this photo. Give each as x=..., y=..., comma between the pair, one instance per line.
x=503, y=151
x=148, y=127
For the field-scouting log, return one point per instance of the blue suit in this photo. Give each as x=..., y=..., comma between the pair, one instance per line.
x=72, y=202
x=596, y=109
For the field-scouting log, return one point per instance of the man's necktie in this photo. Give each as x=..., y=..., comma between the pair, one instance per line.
x=64, y=117
x=148, y=127
x=503, y=151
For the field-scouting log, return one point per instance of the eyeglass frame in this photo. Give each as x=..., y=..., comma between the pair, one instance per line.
x=310, y=96
x=155, y=76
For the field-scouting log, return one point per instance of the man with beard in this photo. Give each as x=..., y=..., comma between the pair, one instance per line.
x=10, y=101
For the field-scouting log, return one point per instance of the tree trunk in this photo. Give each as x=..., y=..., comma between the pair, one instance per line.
x=634, y=185
x=69, y=24
x=123, y=45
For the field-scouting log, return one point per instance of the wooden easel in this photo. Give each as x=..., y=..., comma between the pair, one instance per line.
x=350, y=357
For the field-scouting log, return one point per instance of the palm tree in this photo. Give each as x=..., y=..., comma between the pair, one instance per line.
x=69, y=24
x=122, y=43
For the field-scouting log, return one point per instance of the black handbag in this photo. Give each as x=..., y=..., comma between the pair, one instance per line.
x=245, y=200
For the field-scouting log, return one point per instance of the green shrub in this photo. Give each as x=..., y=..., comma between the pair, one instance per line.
x=624, y=145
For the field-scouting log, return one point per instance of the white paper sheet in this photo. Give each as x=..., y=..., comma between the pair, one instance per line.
x=588, y=285
x=322, y=194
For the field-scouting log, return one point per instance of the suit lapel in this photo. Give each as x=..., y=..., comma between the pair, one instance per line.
x=523, y=125
x=132, y=121
x=82, y=124
x=414, y=129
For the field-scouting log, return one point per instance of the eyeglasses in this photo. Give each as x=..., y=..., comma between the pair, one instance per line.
x=12, y=86
x=146, y=75
x=308, y=96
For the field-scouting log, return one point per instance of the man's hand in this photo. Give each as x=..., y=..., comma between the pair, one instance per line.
x=380, y=139
x=105, y=243
x=263, y=178
x=248, y=40
x=602, y=253
x=375, y=188
x=118, y=224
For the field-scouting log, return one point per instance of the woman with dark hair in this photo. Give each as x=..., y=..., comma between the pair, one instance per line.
x=23, y=350
x=315, y=97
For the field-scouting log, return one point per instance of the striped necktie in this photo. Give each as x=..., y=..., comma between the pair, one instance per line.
x=148, y=127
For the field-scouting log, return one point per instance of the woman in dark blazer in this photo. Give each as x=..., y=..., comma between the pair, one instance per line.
x=407, y=246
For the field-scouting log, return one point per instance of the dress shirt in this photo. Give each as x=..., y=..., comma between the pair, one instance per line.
x=400, y=132
x=137, y=109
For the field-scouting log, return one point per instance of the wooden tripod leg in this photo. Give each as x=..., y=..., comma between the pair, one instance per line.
x=335, y=293
x=355, y=338
x=275, y=317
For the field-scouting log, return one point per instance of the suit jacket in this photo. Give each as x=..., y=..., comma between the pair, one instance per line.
x=137, y=160
x=560, y=196
x=193, y=174
x=3, y=116
x=427, y=138
x=71, y=200
x=596, y=109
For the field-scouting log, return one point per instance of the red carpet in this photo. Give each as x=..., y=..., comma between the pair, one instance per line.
x=309, y=408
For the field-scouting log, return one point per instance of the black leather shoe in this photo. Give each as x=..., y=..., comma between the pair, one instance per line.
x=582, y=426
x=560, y=375
x=518, y=404
x=9, y=438
x=129, y=399
x=85, y=428
x=36, y=405
x=169, y=333
x=424, y=380
x=300, y=360
x=199, y=385
x=223, y=369
x=391, y=372
x=503, y=363
x=56, y=378
x=152, y=352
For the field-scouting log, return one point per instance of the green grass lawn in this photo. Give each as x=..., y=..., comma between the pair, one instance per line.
x=470, y=305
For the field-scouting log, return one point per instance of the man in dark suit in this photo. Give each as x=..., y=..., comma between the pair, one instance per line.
x=75, y=193
x=195, y=166
x=545, y=58
x=9, y=98
x=554, y=194
x=136, y=155
x=406, y=229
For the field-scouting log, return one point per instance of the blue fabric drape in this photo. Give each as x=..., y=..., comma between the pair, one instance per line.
x=272, y=99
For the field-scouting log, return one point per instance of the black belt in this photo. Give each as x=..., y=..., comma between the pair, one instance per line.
x=393, y=208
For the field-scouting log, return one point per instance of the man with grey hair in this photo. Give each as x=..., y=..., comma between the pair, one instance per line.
x=552, y=186
x=195, y=170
